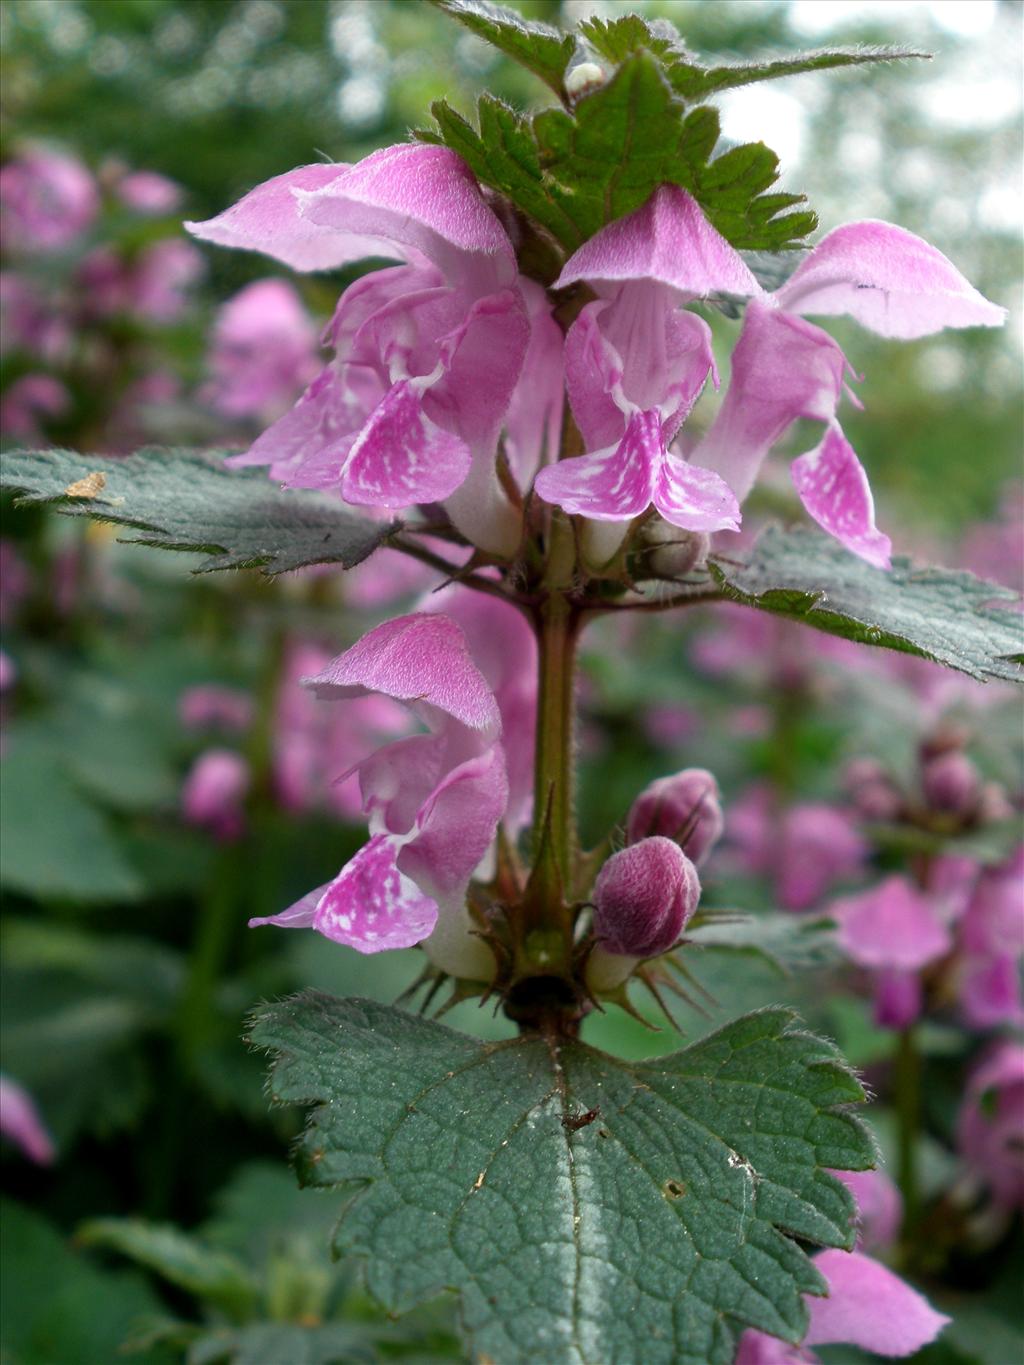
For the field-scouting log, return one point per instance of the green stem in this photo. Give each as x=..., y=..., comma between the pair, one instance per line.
x=553, y=771
x=908, y=1114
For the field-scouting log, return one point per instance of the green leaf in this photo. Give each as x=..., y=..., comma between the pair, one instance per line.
x=215, y=1276
x=650, y=1230
x=783, y=941
x=573, y=173
x=55, y=842
x=188, y=500
x=941, y=614
x=58, y=1308
x=274, y=1343
x=542, y=49
x=617, y=39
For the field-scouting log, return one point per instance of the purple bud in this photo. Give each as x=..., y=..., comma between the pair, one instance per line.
x=684, y=807
x=950, y=783
x=643, y=898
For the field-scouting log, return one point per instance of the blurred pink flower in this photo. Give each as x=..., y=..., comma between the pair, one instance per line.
x=148, y=192
x=27, y=404
x=20, y=1121
x=991, y=1123
x=214, y=791
x=47, y=201
x=263, y=353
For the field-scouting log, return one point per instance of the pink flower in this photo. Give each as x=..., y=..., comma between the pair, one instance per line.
x=214, y=791
x=818, y=845
x=29, y=402
x=635, y=365
x=315, y=747
x=879, y=1207
x=29, y=321
x=427, y=353
x=867, y=1306
x=47, y=201
x=894, y=931
x=434, y=800
x=784, y=368
x=211, y=705
x=20, y=1121
x=990, y=941
x=264, y=352
x=148, y=193
x=991, y=1122
x=161, y=278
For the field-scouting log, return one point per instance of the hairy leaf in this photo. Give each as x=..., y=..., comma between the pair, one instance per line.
x=542, y=49
x=188, y=500
x=617, y=39
x=573, y=173
x=584, y=1208
x=947, y=615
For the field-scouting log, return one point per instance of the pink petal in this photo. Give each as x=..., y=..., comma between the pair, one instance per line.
x=267, y=219
x=422, y=660
x=782, y=368
x=504, y=648
x=899, y=997
x=297, y=916
x=668, y=240
x=308, y=446
x=420, y=199
x=695, y=499
x=879, y=1207
x=758, y=1348
x=870, y=1307
x=482, y=359
x=457, y=825
x=401, y=457
x=21, y=1122
x=534, y=421
x=371, y=906
x=892, y=925
x=593, y=368
x=610, y=485
x=834, y=488
x=892, y=282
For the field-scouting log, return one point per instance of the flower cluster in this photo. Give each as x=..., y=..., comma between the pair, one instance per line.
x=87, y=268
x=435, y=358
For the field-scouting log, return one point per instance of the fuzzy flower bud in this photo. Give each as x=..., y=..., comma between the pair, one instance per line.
x=643, y=898
x=950, y=783
x=684, y=807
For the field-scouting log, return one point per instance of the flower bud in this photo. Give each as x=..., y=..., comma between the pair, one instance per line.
x=670, y=551
x=583, y=78
x=684, y=807
x=950, y=783
x=214, y=791
x=643, y=898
